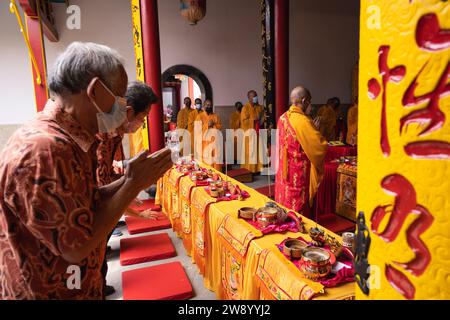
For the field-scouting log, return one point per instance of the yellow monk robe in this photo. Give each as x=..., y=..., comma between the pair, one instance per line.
x=327, y=125
x=182, y=118
x=235, y=120
x=312, y=143
x=235, y=124
x=249, y=115
x=191, y=121
x=211, y=121
x=258, y=109
x=182, y=123
x=352, y=125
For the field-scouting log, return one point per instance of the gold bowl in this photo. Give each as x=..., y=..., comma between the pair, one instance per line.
x=266, y=216
x=294, y=248
x=247, y=213
x=316, y=263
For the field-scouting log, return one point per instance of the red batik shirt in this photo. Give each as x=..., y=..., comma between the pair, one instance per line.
x=109, y=149
x=47, y=203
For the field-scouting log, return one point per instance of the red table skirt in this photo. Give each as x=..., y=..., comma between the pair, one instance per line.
x=335, y=152
x=325, y=202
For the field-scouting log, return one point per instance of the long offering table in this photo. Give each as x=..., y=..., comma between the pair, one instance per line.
x=236, y=259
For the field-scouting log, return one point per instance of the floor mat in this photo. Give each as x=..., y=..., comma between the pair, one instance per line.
x=146, y=249
x=137, y=225
x=242, y=175
x=162, y=282
x=148, y=204
x=336, y=223
x=265, y=191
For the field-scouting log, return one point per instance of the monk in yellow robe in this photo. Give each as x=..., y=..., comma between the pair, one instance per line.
x=302, y=152
x=235, y=119
x=327, y=117
x=195, y=111
x=182, y=119
x=252, y=116
x=235, y=124
x=210, y=145
x=352, y=124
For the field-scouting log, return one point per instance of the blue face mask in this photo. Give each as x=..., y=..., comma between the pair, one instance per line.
x=198, y=106
x=109, y=122
x=255, y=100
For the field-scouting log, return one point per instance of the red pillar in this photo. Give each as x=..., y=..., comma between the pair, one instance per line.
x=33, y=30
x=281, y=57
x=152, y=68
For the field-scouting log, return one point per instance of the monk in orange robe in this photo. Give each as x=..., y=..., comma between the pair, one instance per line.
x=183, y=120
x=183, y=114
x=327, y=116
x=235, y=119
x=252, y=116
x=302, y=152
x=352, y=124
x=195, y=111
x=210, y=145
x=235, y=124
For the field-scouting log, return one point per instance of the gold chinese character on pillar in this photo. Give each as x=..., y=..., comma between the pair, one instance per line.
x=193, y=10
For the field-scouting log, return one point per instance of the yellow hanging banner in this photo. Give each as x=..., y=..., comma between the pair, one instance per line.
x=403, y=232
x=139, y=140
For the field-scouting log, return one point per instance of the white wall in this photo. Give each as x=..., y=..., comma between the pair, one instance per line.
x=225, y=45
x=16, y=87
x=106, y=22
x=324, y=46
x=103, y=21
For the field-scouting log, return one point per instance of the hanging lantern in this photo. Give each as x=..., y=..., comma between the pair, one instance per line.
x=193, y=10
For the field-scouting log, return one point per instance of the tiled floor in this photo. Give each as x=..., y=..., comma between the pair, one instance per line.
x=115, y=270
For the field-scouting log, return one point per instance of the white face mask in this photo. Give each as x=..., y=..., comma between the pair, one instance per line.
x=109, y=122
x=255, y=100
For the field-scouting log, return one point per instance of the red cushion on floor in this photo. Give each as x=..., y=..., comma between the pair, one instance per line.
x=238, y=172
x=162, y=282
x=137, y=225
x=145, y=249
x=146, y=205
x=265, y=190
x=336, y=223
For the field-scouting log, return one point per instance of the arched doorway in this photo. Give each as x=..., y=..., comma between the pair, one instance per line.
x=182, y=81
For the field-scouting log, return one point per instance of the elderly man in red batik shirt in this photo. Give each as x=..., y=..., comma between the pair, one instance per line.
x=53, y=217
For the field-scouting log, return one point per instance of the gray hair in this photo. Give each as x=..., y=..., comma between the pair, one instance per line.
x=75, y=68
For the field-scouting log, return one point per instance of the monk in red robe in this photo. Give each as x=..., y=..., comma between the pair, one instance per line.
x=301, y=157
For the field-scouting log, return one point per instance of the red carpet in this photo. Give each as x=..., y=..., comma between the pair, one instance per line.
x=137, y=225
x=265, y=190
x=146, y=249
x=163, y=282
x=336, y=223
x=148, y=204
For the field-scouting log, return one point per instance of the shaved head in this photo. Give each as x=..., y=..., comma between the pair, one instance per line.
x=301, y=96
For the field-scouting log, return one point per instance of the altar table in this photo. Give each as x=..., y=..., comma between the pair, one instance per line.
x=235, y=259
x=335, y=152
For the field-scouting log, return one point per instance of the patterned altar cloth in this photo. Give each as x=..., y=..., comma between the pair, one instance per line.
x=236, y=260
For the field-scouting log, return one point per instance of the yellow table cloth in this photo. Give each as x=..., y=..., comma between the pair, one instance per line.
x=236, y=260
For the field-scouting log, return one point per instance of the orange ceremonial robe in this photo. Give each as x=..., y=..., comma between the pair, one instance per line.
x=301, y=160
